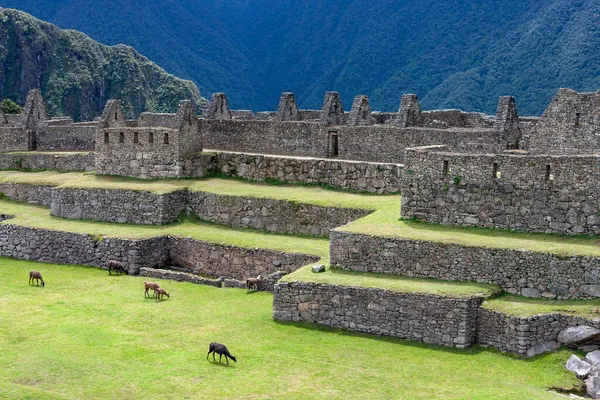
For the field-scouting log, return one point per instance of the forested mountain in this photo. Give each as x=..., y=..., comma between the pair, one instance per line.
x=78, y=75
x=452, y=53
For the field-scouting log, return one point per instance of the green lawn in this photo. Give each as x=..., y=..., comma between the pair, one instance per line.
x=39, y=217
x=394, y=283
x=87, y=335
x=526, y=307
x=231, y=187
x=385, y=222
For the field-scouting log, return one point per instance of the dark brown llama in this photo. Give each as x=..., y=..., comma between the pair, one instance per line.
x=117, y=266
x=34, y=275
x=150, y=286
x=221, y=350
x=252, y=283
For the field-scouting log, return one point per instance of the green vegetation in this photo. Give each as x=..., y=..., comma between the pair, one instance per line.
x=79, y=75
x=10, y=107
x=453, y=54
x=395, y=283
x=526, y=307
x=39, y=217
x=384, y=222
x=230, y=187
x=89, y=335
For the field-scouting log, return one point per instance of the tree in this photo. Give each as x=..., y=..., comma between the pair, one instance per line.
x=10, y=107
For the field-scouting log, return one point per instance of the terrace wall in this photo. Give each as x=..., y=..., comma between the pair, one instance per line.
x=66, y=162
x=363, y=176
x=522, y=272
x=425, y=318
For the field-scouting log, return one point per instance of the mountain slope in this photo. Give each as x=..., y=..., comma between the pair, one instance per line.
x=452, y=53
x=78, y=75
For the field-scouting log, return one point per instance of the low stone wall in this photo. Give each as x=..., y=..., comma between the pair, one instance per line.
x=271, y=215
x=37, y=194
x=425, y=318
x=364, y=176
x=265, y=284
x=517, y=271
x=118, y=205
x=213, y=260
x=521, y=335
x=48, y=161
x=75, y=248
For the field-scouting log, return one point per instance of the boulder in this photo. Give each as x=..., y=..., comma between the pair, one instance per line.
x=542, y=348
x=579, y=335
x=318, y=268
x=593, y=358
x=592, y=386
x=581, y=368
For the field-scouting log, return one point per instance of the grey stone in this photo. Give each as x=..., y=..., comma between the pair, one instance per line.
x=592, y=387
x=577, y=335
x=581, y=368
x=542, y=348
x=593, y=358
x=318, y=268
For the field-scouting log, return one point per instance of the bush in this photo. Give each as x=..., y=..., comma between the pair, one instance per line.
x=10, y=107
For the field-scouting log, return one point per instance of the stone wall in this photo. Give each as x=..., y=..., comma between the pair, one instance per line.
x=517, y=271
x=271, y=215
x=48, y=161
x=213, y=260
x=569, y=125
x=36, y=194
x=14, y=139
x=75, y=248
x=363, y=176
x=376, y=143
x=521, y=335
x=118, y=205
x=421, y=317
x=551, y=194
x=71, y=137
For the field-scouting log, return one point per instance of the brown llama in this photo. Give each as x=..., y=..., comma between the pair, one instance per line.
x=34, y=275
x=150, y=286
x=221, y=350
x=117, y=266
x=252, y=283
x=161, y=293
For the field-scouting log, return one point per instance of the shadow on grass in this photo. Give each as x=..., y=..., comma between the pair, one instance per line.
x=471, y=351
x=220, y=364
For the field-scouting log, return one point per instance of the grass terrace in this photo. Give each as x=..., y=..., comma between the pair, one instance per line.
x=394, y=283
x=526, y=307
x=88, y=335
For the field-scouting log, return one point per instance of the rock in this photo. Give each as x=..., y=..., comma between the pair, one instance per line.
x=582, y=369
x=318, y=268
x=593, y=358
x=580, y=334
x=588, y=347
x=542, y=348
x=530, y=292
x=592, y=387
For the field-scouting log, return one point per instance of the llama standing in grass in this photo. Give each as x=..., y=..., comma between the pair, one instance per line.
x=150, y=286
x=117, y=266
x=221, y=350
x=34, y=275
x=160, y=294
x=252, y=283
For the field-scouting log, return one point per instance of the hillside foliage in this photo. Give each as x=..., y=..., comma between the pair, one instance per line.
x=78, y=75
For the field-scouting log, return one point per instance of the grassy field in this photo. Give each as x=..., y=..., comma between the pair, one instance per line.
x=87, y=335
x=385, y=222
x=526, y=307
x=394, y=283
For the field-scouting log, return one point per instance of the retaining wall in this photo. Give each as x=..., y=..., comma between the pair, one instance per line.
x=520, y=334
x=528, y=273
x=426, y=318
x=65, y=162
x=364, y=176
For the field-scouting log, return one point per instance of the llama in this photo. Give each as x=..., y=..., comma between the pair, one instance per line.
x=117, y=266
x=148, y=286
x=252, y=283
x=34, y=275
x=221, y=350
x=160, y=294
